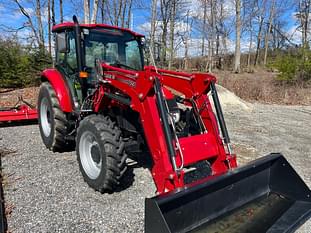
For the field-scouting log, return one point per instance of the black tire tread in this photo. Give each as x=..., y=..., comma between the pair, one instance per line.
x=59, y=140
x=116, y=157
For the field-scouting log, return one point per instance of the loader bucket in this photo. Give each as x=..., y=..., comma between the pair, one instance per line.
x=266, y=195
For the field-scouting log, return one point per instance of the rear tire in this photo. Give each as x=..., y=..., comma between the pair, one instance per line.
x=52, y=120
x=101, y=154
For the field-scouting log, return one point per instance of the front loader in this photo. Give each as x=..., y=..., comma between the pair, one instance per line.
x=101, y=98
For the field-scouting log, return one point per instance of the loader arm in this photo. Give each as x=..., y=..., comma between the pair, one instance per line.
x=144, y=96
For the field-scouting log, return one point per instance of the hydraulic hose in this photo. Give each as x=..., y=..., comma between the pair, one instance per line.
x=220, y=115
x=164, y=117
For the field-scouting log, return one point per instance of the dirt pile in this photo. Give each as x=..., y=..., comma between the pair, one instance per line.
x=261, y=86
x=228, y=98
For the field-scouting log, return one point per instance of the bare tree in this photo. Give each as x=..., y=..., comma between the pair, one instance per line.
x=261, y=10
x=153, y=24
x=214, y=24
x=172, y=31
x=204, y=26
x=37, y=29
x=53, y=11
x=268, y=32
x=237, y=57
x=102, y=10
x=250, y=48
x=39, y=20
x=212, y=36
x=61, y=13
x=129, y=14
x=304, y=17
x=250, y=13
x=117, y=12
x=186, y=39
x=123, y=13
x=86, y=7
x=165, y=17
x=94, y=11
x=49, y=27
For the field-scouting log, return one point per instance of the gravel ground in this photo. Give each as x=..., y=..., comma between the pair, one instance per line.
x=47, y=192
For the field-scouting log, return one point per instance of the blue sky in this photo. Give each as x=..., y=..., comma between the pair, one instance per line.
x=11, y=17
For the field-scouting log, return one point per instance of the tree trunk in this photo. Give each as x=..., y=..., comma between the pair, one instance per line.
x=186, y=66
x=163, y=50
x=94, y=11
x=306, y=23
x=119, y=11
x=153, y=25
x=212, y=37
x=222, y=28
x=129, y=15
x=40, y=27
x=267, y=37
x=164, y=6
x=86, y=7
x=124, y=6
x=204, y=27
x=102, y=11
x=53, y=11
x=306, y=26
x=49, y=27
x=61, y=11
x=250, y=49
x=172, y=32
x=237, y=57
x=259, y=40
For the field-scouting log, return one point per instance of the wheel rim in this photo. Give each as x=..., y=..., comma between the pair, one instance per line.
x=45, y=117
x=89, y=152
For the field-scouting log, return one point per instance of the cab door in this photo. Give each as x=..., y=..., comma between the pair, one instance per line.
x=67, y=63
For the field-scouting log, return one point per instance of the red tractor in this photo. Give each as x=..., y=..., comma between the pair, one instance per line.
x=101, y=97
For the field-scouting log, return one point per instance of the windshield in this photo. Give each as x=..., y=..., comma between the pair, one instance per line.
x=115, y=47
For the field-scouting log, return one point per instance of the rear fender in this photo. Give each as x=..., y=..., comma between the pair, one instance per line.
x=55, y=78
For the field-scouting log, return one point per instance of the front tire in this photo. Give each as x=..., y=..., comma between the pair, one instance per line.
x=52, y=120
x=101, y=154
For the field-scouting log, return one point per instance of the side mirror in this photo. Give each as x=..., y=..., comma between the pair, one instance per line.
x=61, y=40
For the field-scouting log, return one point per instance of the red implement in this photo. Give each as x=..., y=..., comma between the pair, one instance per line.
x=20, y=112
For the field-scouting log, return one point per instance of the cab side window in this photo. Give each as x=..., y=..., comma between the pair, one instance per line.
x=132, y=54
x=61, y=40
x=67, y=58
x=72, y=55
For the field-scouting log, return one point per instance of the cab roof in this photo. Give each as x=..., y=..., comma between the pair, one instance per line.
x=70, y=25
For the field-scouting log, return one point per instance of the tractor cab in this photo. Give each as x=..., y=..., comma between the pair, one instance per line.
x=79, y=46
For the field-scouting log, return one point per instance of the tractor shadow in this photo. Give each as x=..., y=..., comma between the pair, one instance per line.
x=137, y=158
x=18, y=123
x=141, y=158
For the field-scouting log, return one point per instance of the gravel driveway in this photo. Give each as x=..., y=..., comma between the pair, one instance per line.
x=47, y=193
